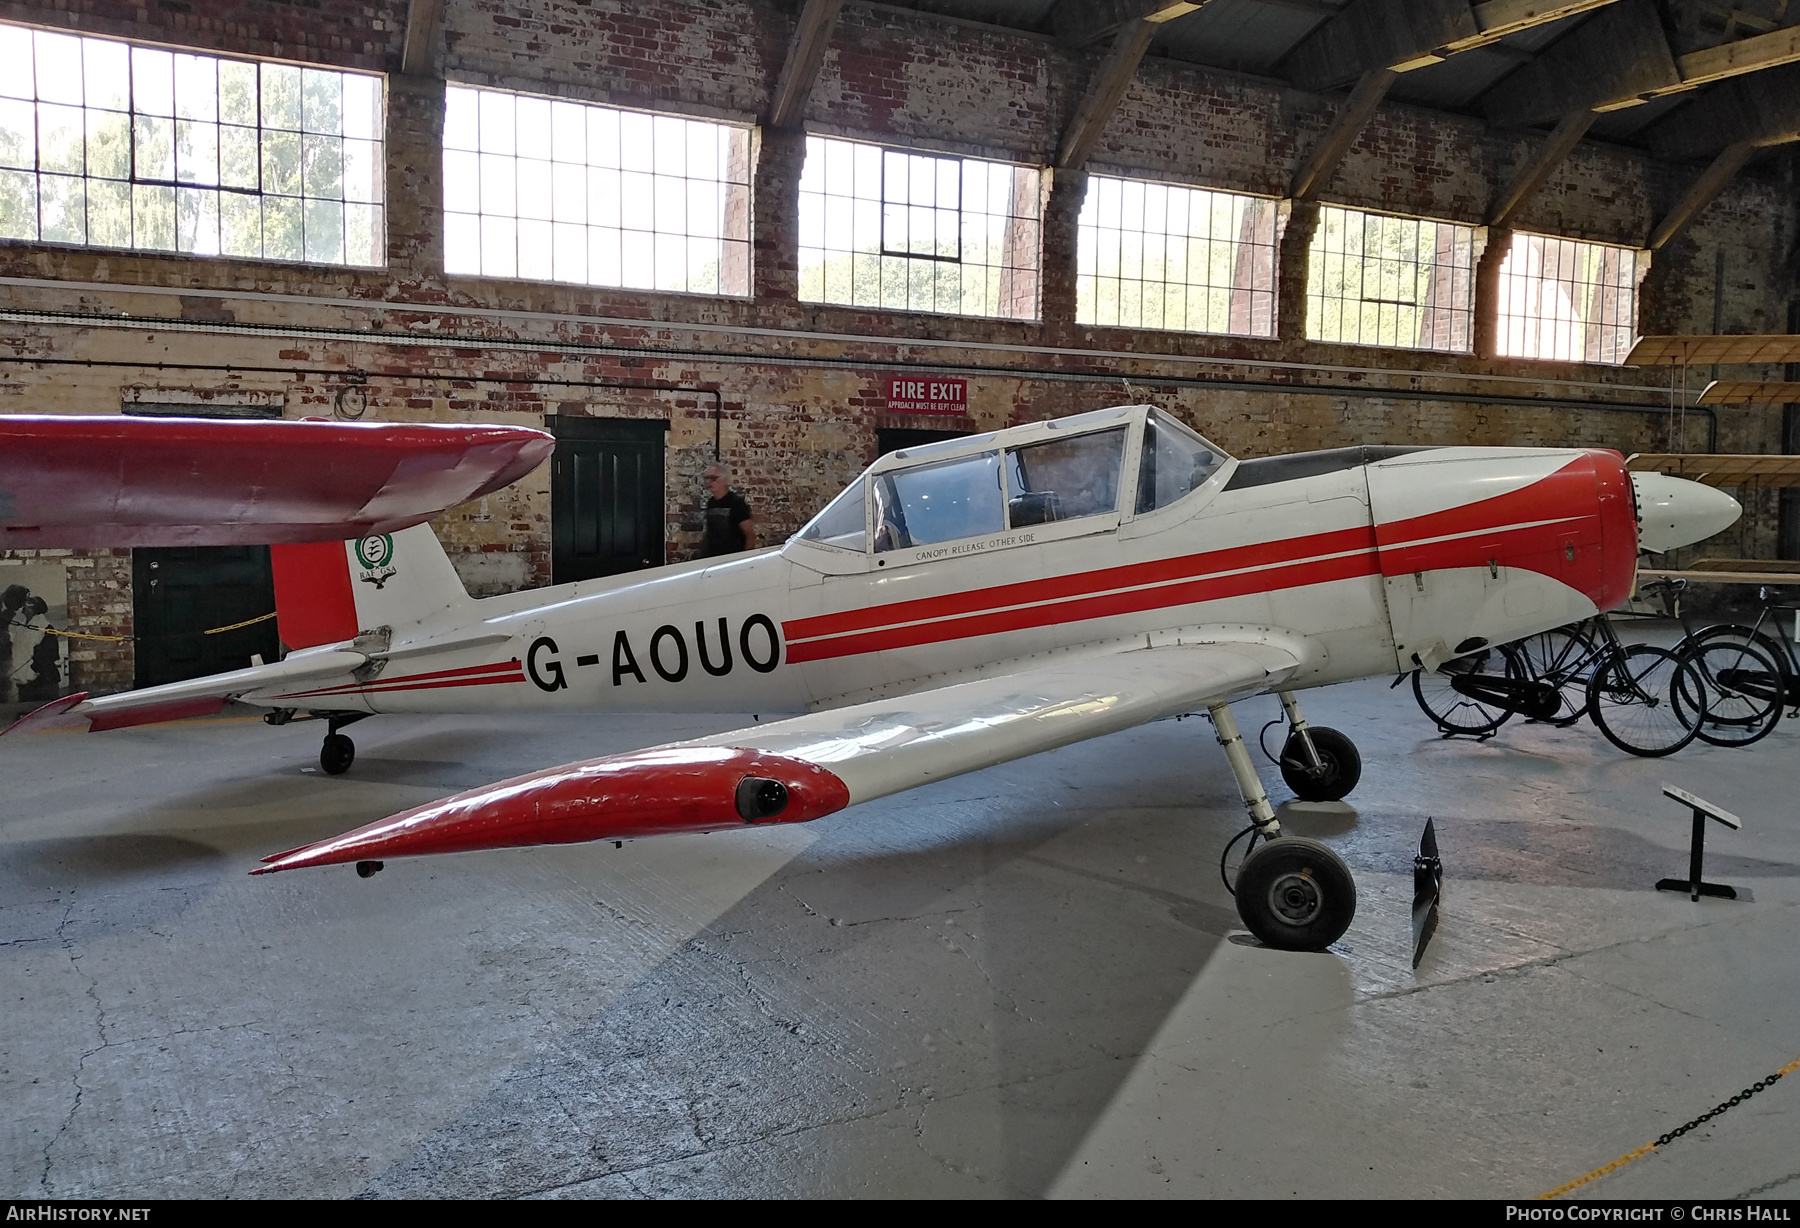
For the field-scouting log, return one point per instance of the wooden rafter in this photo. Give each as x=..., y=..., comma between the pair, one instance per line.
x=801, y=68
x=423, y=17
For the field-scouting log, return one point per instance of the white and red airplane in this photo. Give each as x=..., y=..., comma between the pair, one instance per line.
x=960, y=605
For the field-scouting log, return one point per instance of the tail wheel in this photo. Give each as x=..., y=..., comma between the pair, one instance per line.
x=1340, y=767
x=1295, y=894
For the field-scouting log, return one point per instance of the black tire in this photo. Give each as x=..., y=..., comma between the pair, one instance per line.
x=1632, y=699
x=1455, y=712
x=1762, y=641
x=337, y=754
x=1295, y=894
x=1555, y=657
x=1337, y=756
x=1743, y=694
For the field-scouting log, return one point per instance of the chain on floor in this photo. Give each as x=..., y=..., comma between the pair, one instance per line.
x=1671, y=1136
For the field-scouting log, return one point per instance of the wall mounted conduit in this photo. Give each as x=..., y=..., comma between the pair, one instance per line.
x=602, y=350
x=359, y=377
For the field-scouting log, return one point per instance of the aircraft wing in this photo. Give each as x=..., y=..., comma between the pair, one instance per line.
x=119, y=480
x=800, y=769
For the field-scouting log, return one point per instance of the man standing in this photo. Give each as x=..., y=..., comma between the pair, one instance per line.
x=729, y=525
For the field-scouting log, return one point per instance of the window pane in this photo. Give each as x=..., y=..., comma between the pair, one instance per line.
x=1065, y=478
x=281, y=97
x=841, y=524
x=18, y=205
x=938, y=503
x=16, y=53
x=1175, y=462
x=58, y=68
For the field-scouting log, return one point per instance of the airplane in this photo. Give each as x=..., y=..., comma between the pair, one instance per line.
x=87, y=481
x=958, y=605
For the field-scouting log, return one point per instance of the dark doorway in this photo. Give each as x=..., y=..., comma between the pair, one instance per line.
x=606, y=497
x=179, y=593
x=893, y=439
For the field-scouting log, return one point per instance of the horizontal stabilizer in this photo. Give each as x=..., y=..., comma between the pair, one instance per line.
x=180, y=700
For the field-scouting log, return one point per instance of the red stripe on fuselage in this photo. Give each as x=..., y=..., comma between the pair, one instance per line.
x=1083, y=584
x=1093, y=604
x=467, y=675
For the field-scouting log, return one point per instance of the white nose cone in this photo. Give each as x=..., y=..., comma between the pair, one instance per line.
x=1676, y=512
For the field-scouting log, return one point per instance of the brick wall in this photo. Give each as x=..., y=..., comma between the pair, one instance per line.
x=795, y=430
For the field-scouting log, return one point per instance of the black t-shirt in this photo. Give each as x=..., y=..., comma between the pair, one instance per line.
x=724, y=524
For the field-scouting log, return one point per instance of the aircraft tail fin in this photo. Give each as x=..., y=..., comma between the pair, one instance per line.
x=326, y=592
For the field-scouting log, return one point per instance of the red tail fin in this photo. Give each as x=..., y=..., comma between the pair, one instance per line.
x=314, y=603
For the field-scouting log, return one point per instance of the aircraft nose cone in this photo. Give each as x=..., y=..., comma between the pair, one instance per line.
x=1676, y=512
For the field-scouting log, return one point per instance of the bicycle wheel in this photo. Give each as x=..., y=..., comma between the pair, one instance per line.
x=1557, y=657
x=1741, y=699
x=1455, y=712
x=1632, y=699
x=1762, y=641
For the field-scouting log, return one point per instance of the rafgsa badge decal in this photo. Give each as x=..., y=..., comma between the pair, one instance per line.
x=376, y=554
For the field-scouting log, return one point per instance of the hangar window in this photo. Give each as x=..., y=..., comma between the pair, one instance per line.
x=111, y=144
x=1563, y=299
x=1154, y=256
x=918, y=232
x=549, y=190
x=1376, y=279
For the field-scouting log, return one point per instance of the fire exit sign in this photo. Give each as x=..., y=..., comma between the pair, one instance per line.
x=913, y=394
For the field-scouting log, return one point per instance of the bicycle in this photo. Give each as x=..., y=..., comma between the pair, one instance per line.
x=1629, y=692
x=1750, y=675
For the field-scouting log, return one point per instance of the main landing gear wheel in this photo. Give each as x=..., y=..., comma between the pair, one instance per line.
x=1295, y=894
x=337, y=754
x=1340, y=767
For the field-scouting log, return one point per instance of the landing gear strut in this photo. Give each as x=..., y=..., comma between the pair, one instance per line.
x=1293, y=893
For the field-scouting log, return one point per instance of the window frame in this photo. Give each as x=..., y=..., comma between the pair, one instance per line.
x=1505, y=321
x=1461, y=312
x=819, y=251
x=1262, y=299
x=603, y=220
x=141, y=121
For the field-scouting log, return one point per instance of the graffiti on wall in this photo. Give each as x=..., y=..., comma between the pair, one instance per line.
x=34, y=598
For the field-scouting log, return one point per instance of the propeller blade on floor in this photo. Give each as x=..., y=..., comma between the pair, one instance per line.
x=1428, y=879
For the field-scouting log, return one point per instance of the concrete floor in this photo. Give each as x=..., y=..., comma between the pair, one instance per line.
x=1026, y=981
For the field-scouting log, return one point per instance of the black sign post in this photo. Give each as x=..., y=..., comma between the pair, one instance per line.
x=1703, y=810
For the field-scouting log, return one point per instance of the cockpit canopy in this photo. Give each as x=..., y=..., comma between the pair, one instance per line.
x=1068, y=469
